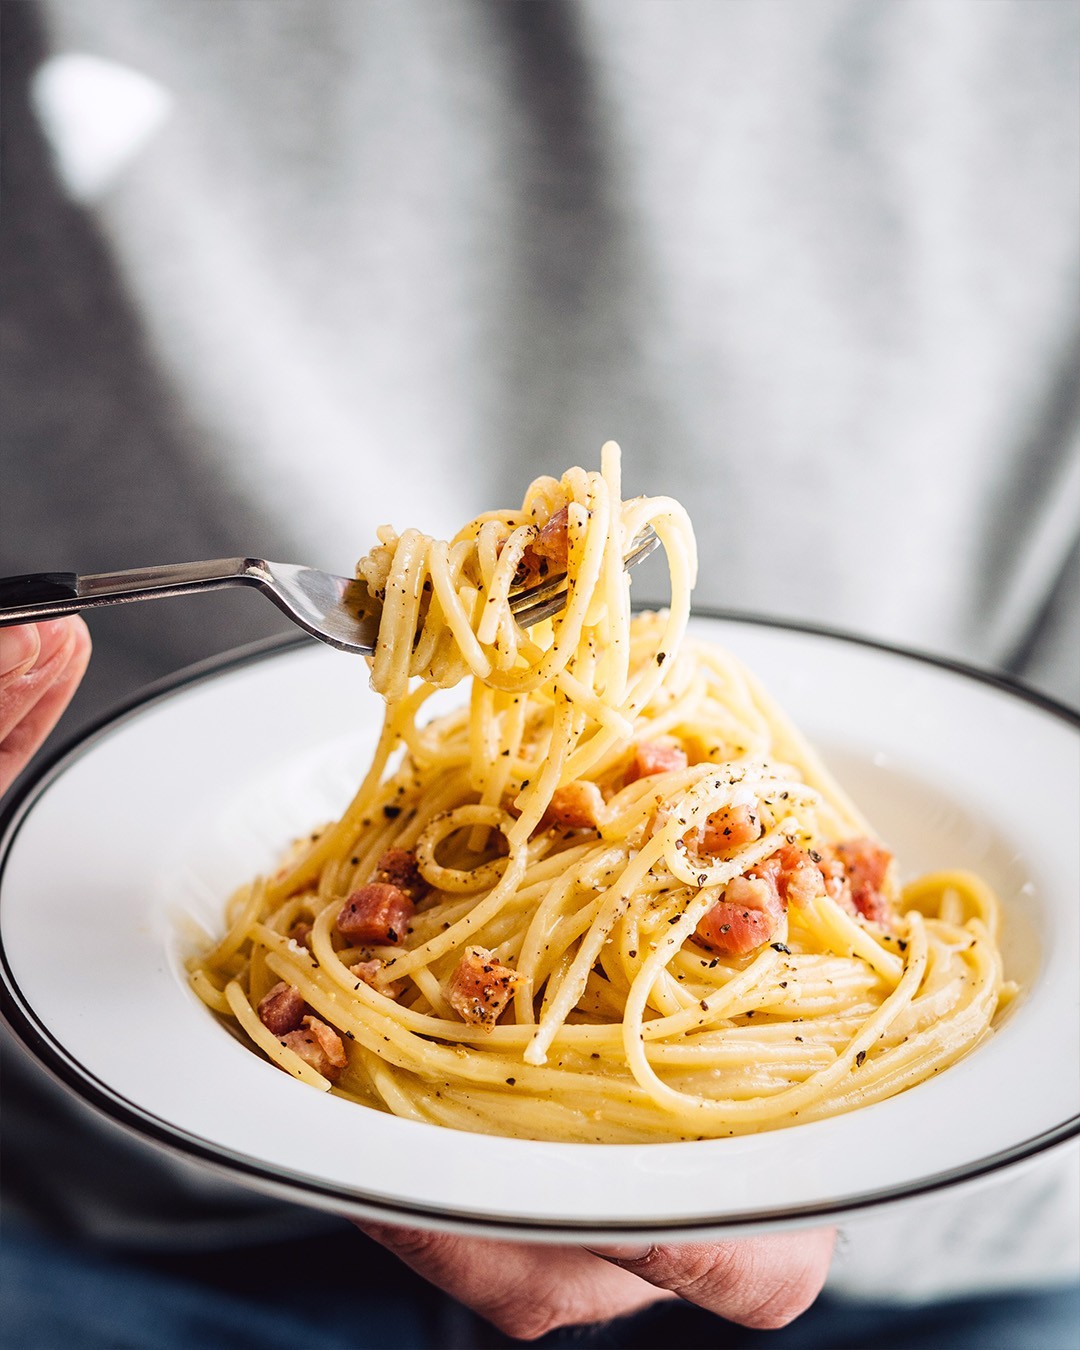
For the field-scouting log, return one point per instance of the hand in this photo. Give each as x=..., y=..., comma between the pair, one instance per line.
x=528, y=1290
x=40, y=668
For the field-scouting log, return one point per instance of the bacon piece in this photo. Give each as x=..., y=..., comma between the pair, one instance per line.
x=655, y=757
x=377, y=912
x=480, y=987
x=299, y=933
x=750, y=910
x=727, y=829
x=575, y=806
x=552, y=544
x=398, y=867
x=548, y=553
x=282, y=1009
x=798, y=879
x=320, y=1046
x=837, y=885
x=747, y=916
x=866, y=866
x=369, y=972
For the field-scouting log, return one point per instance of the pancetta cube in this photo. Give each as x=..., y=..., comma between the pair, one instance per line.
x=376, y=913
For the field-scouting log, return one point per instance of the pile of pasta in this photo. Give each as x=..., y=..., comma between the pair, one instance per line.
x=615, y=897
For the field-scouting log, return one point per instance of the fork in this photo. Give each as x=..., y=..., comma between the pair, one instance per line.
x=337, y=610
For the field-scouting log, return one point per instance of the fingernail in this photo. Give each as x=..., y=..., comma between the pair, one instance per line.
x=19, y=648
x=623, y=1252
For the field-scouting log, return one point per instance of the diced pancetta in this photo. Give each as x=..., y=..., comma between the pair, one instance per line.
x=858, y=871
x=399, y=867
x=575, y=806
x=369, y=972
x=797, y=877
x=746, y=917
x=553, y=542
x=727, y=829
x=548, y=553
x=752, y=906
x=299, y=933
x=318, y=1045
x=480, y=987
x=282, y=1009
x=376, y=913
x=655, y=757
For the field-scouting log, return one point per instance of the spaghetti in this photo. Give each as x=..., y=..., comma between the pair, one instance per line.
x=614, y=898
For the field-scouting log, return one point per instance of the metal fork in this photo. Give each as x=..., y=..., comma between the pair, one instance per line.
x=337, y=610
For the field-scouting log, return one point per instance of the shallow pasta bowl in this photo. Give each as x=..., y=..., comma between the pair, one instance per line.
x=121, y=852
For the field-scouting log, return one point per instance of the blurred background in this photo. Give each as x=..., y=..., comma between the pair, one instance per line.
x=278, y=271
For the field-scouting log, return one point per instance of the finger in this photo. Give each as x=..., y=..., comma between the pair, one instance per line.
x=762, y=1282
x=32, y=702
x=25, y=683
x=524, y=1289
x=19, y=647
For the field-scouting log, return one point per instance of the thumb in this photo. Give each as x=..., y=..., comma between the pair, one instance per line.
x=762, y=1282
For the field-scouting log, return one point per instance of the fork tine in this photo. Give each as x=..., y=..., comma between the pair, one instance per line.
x=542, y=601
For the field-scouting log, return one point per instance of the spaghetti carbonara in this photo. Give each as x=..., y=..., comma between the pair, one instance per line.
x=615, y=897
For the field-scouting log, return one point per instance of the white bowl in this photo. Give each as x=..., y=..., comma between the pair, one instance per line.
x=120, y=853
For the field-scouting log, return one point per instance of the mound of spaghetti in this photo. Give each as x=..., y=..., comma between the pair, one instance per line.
x=614, y=898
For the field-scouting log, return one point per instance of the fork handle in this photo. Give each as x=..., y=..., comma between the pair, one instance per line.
x=44, y=595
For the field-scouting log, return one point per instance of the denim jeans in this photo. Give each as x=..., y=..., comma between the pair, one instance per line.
x=344, y=1293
